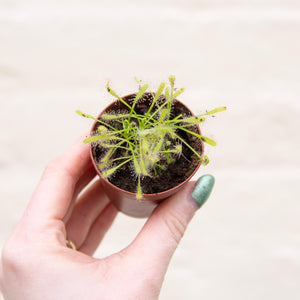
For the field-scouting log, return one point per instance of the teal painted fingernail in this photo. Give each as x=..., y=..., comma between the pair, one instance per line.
x=202, y=189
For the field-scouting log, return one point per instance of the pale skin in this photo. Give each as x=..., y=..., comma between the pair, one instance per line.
x=36, y=263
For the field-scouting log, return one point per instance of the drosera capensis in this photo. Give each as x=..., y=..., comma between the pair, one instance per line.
x=148, y=141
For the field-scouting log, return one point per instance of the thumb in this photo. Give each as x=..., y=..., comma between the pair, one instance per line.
x=160, y=236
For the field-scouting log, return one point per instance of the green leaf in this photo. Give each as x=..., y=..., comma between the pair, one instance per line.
x=109, y=172
x=208, y=141
x=205, y=160
x=163, y=115
x=189, y=146
x=106, y=161
x=203, y=138
x=141, y=161
x=143, y=166
x=157, y=95
x=159, y=91
x=137, y=97
x=158, y=145
x=167, y=92
x=140, y=93
x=178, y=149
x=95, y=138
x=139, y=193
x=216, y=110
x=102, y=130
x=107, y=157
x=136, y=165
x=178, y=92
x=112, y=92
x=193, y=120
x=91, y=117
x=137, y=81
x=114, y=117
x=80, y=113
x=172, y=80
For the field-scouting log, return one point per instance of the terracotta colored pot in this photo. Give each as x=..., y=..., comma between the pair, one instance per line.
x=125, y=201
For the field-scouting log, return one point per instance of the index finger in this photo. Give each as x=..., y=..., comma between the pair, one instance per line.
x=55, y=190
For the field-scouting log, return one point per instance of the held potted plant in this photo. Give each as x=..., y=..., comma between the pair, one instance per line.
x=146, y=146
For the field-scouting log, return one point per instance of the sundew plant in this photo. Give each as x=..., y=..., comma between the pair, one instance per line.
x=148, y=141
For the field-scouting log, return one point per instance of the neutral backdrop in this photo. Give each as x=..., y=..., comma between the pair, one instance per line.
x=56, y=57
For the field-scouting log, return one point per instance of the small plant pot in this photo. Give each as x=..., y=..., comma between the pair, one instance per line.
x=125, y=198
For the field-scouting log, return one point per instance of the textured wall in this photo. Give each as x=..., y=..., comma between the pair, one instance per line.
x=56, y=57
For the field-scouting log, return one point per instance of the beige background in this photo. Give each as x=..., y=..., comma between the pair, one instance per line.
x=56, y=57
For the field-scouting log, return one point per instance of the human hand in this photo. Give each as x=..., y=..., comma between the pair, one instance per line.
x=36, y=263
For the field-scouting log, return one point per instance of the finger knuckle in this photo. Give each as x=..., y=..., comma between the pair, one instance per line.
x=51, y=168
x=176, y=225
x=54, y=168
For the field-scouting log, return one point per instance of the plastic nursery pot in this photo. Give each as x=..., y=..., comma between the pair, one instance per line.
x=126, y=201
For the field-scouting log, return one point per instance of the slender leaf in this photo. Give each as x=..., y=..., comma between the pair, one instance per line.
x=193, y=120
x=216, y=110
x=178, y=92
x=140, y=93
x=95, y=138
x=114, y=117
x=172, y=80
x=137, y=97
x=205, y=160
x=201, y=137
x=163, y=115
x=139, y=193
x=159, y=91
x=114, y=94
x=208, y=141
x=167, y=93
x=110, y=171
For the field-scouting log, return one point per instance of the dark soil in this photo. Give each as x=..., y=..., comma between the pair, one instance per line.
x=175, y=173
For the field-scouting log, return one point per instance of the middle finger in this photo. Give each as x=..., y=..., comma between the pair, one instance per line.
x=86, y=209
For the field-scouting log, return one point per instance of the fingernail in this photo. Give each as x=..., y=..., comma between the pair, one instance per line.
x=202, y=189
